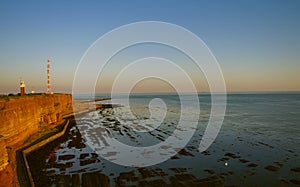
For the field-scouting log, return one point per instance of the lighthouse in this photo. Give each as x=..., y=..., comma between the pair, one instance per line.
x=22, y=88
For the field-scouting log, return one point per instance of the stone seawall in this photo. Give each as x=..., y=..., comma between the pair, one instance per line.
x=22, y=117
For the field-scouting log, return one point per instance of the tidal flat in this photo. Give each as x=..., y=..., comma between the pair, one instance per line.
x=256, y=146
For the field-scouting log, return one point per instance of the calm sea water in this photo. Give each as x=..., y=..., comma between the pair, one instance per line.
x=258, y=145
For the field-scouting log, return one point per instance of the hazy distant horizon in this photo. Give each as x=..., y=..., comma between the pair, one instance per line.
x=201, y=92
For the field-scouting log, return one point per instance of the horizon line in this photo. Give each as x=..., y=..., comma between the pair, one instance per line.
x=201, y=92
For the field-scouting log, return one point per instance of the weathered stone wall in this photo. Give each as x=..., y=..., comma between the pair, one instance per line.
x=21, y=117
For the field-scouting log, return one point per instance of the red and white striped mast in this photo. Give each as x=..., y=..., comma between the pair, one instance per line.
x=48, y=77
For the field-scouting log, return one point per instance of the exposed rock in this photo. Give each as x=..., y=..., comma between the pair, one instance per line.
x=209, y=171
x=252, y=165
x=243, y=160
x=185, y=153
x=295, y=169
x=95, y=179
x=272, y=168
x=22, y=117
x=231, y=155
x=295, y=181
x=66, y=157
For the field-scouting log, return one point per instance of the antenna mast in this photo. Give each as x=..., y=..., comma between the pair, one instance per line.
x=48, y=77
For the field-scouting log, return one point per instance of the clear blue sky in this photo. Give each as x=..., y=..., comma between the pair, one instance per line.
x=257, y=43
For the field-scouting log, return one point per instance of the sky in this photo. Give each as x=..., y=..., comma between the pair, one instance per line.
x=256, y=43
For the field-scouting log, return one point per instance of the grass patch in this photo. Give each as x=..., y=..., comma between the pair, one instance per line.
x=4, y=97
x=27, y=139
x=17, y=96
x=60, y=127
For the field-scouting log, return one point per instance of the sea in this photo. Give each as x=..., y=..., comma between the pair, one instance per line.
x=257, y=144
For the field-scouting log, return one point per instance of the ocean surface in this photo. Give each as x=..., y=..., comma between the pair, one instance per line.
x=257, y=145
